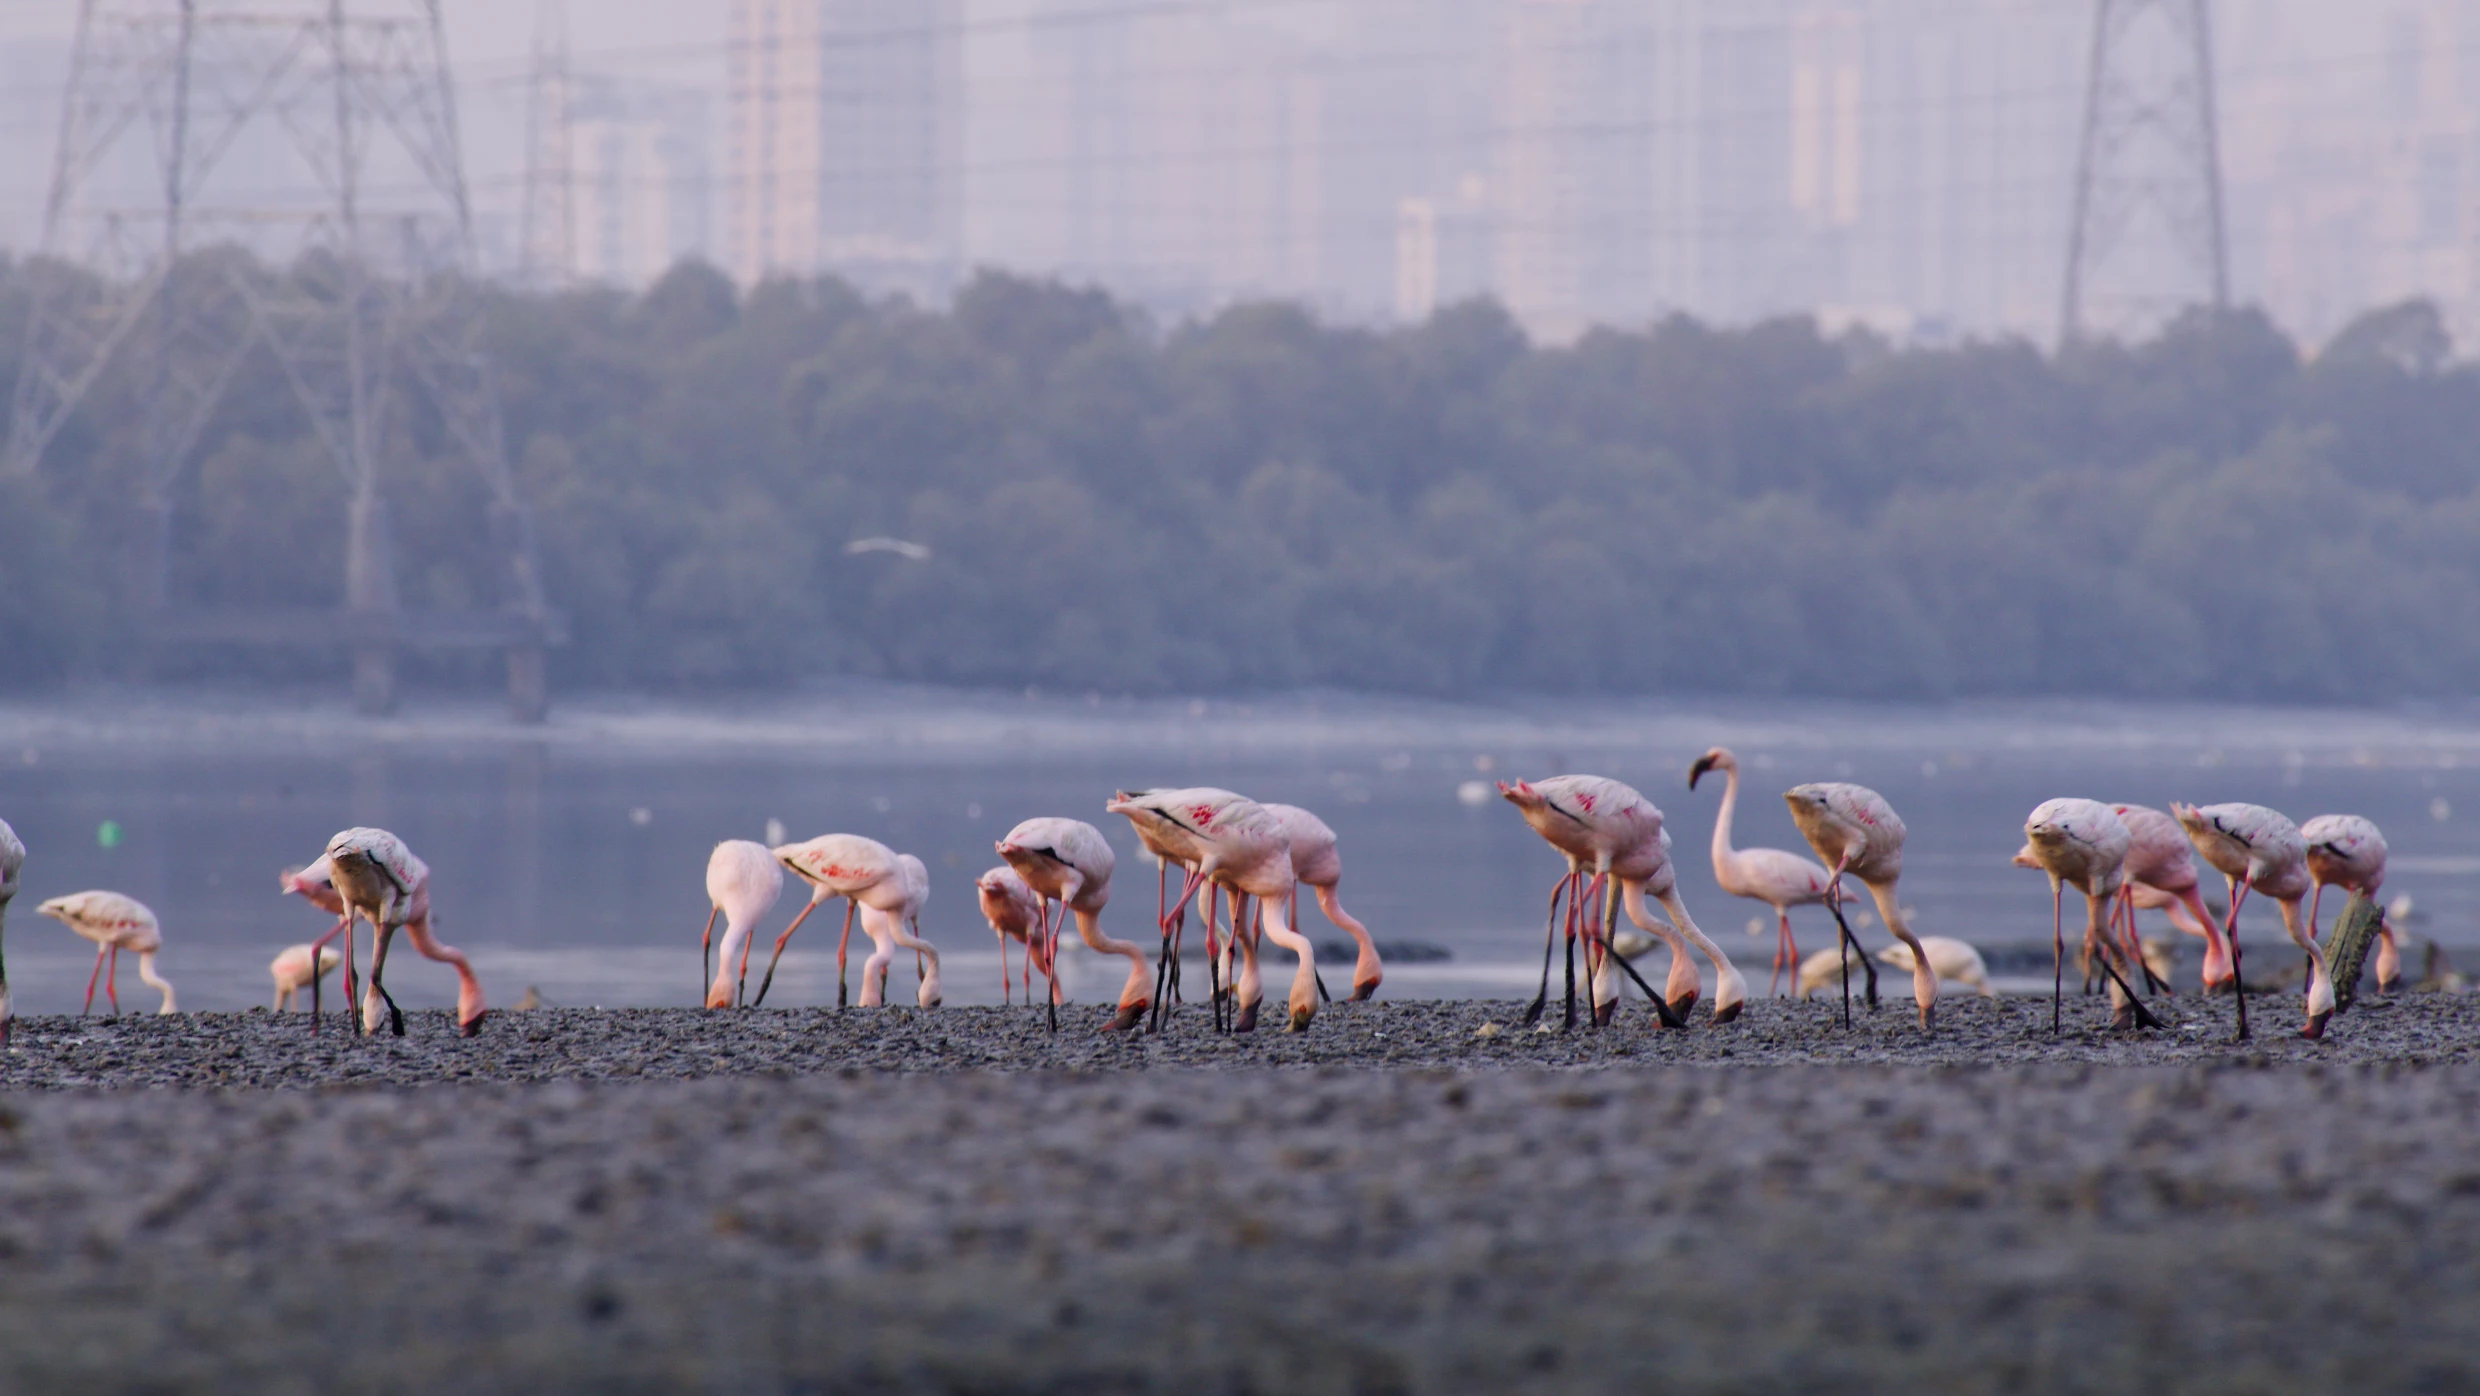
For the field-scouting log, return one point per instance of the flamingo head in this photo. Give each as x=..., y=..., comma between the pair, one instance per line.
x=1520, y=793
x=1716, y=759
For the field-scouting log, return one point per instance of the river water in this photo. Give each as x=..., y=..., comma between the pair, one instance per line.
x=570, y=858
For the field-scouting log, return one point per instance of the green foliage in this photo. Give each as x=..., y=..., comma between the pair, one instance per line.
x=1262, y=500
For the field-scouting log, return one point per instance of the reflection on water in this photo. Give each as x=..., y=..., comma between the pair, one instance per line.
x=571, y=859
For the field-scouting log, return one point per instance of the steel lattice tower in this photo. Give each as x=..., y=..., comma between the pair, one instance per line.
x=361, y=283
x=2147, y=234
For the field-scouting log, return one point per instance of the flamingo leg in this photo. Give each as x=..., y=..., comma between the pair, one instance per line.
x=2134, y=1013
x=1163, y=960
x=1786, y=954
x=1050, y=962
x=1850, y=944
x=379, y=938
x=97, y=974
x=769, y=981
x=352, y=982
x=2230, y=933
x=1549, y=940
x=706, y=947
x=1223, y=1006
x=1244, y=974
x=2126, y=910
x=1569, y=1023
x=843, y=945
x=1662, y=1010
x=2058, y=953
x=1292, y=918
x=343, y=926
x=112, y=982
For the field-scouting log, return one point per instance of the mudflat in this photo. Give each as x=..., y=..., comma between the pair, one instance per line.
x=962, y=1200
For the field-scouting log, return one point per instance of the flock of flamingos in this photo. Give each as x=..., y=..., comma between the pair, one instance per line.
x=1249, y=860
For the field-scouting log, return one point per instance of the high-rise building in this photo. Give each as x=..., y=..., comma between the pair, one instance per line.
x=844, y=138
x=639, y=182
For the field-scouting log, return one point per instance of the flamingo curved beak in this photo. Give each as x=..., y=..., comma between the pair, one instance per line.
x=1697, y=772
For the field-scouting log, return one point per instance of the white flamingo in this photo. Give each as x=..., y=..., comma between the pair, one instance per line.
x=2347, y=851
x=1068, y=862
x=1243, y=849
x=1855, y=831
x=1777, y=877
x=376, y=877
x=291, y=970
x=115, y=923
x=887, y=888
x=12, y=862
x=2260, y=849
x=1014, y=913
x=2083, y=844
x=743, y=881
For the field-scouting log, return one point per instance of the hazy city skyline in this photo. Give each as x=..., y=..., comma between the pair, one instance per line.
x=1586, y=161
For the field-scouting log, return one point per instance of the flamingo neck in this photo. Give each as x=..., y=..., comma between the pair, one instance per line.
x=1722, y=820
x=147, y=976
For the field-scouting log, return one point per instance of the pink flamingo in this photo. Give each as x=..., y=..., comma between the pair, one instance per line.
x=2083, y=843
x=1241, y=848
x=743, y=881
x=1608, y=828
x=2161, y=876
x=114, y=923
x=1013, y=912
x=887, y=888
x=2347, y=851
x=2261, y=850
x=1774, y=876
x=1317, y=861
x=12, y=862
x=292, y=973
x=1067, y=861
x=1153, y=814
x=374, y=875
x=1855, y=831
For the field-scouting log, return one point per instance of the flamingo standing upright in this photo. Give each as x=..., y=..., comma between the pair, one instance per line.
x=1013, y=912
x=1855, y=831
x=743, y=881
x=1777, y=877
x=1067, y=861
x=2083, y=843
x=2161, y=876
x=1244, y=850
x=2347, y=851
x=1317, y=861
x=114, y=923
x=291, y=970
x=377, y=877
x=1606, y=827
x=887, y=888
x=12, y=862
x=2261, y=850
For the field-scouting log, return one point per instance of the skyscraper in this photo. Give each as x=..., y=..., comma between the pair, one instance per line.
x=844, y=139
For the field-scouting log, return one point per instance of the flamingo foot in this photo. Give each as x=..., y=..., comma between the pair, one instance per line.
x=1127, y=1017
x=1247, y=1021
x=1728, y=1012
x=1363, y=990
x=2316, y=1024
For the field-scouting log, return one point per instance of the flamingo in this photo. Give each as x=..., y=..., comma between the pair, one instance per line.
x=1240, y=847
x=1855, y=831
x=1952, y=960
x=374, y=875
x=1067, y=861
x=888, y=889
x=2347, y=851
x=743, y=881
x=12, y=861
x=291, y=970
x=2261, y=850
x=1317, y=862
x=1013, y=911
x=114, y=923
x=1606, y=826
x=2161, y=876
x=1154, y=815
x=1774, y=876
x=2084, y=843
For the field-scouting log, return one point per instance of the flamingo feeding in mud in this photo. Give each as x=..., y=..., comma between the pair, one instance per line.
x=115, y=923
x=373, y=875
x=1855, y=831
x=2261, y=850
x=2347, y=851
x=291, y=970
x=1172, y=845
x=1607, y=829
x=12, y=862
x=1068, y=862
x=887, y=888
x=1238, y=847
x=2161, y=876
x=743, y=881
x=2083, y=844
x=1318, y=862
x=1953, y=961
x=1013, y=912
x=1777, y=877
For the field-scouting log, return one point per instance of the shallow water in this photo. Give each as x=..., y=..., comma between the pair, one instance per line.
x=571, y=858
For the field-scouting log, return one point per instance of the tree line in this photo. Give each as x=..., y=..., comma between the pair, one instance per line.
x=1261, y=500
